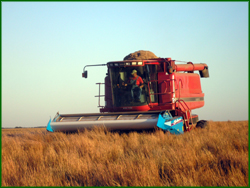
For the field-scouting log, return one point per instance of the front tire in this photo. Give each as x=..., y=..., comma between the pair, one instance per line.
x=202, y=124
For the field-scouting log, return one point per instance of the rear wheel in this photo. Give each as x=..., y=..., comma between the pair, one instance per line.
x=194, y=119
x=202, y=124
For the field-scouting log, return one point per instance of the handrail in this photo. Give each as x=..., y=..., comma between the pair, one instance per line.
x=93, y=66
x=164, y=93
x=188, y=115
x=99, y=103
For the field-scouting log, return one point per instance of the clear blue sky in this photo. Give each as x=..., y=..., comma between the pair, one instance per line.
x=45, y=46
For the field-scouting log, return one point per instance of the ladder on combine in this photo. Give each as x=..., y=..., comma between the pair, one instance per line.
x=185, y=112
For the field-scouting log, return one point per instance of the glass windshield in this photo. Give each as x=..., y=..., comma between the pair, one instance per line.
x=151, y=74
x=130, y=85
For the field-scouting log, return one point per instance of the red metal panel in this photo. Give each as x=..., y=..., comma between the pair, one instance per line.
x=143, y=108
x=188, y=88
x=188, y=85
x=165, y=88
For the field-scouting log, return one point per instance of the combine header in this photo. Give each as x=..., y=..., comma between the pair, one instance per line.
x=142, y=94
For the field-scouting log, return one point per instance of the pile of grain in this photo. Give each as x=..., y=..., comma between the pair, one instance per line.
x=139, y=55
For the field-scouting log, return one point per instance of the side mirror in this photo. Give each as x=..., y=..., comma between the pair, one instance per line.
x=85, y=74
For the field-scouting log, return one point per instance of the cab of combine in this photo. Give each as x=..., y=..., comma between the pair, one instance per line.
x=166, y=85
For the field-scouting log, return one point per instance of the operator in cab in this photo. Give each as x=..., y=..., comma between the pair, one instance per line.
x=136, y=83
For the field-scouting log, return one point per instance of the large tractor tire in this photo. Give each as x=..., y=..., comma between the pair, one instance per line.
x=202, y=124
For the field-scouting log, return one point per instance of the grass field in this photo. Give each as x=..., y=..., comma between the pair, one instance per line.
x=214, y=156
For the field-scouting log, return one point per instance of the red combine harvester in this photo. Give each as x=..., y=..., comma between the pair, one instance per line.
x=165, y=96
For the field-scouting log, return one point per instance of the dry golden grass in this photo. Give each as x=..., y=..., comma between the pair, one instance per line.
x=214, y=156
